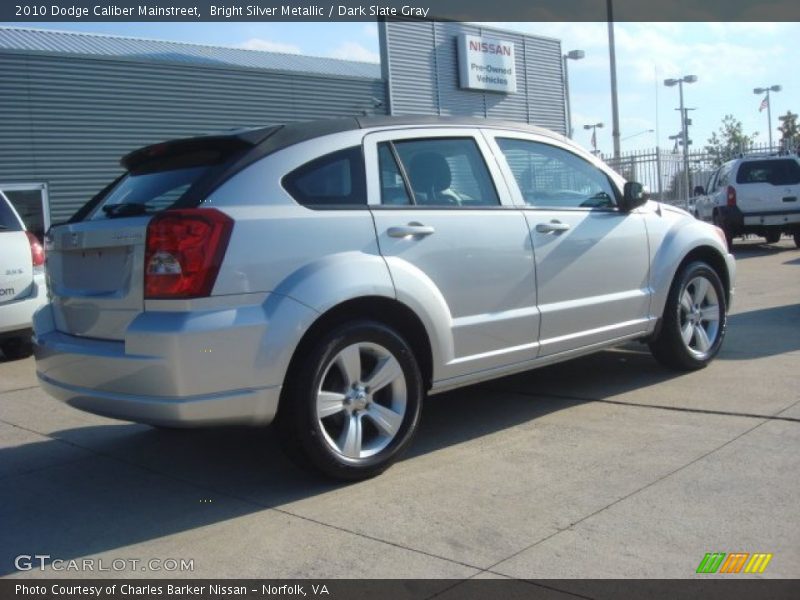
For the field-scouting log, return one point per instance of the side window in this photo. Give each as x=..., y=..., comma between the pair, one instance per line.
x=393, y=186
x=712, y=183
x=334, y=180
x=447, y=172
x=722, y=179
x=551, y=177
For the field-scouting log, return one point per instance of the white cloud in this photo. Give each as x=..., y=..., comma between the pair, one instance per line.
x=370, y=30
x=355, y=51
x=270, y=46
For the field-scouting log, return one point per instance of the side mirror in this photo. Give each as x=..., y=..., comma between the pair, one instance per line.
x=634, y=194
x=699, y=190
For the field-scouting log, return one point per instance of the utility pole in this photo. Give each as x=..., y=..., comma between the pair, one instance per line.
x=614, y=100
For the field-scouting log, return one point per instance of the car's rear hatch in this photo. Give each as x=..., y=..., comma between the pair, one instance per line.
x=16, y=265
x=768, y=185
x=95, y=262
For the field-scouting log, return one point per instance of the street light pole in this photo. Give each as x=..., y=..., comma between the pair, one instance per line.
x=684, y=135
x=774, y=88
x=613, y=63
x=571, y=55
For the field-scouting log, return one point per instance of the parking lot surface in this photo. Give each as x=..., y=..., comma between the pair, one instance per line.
x=605, y=466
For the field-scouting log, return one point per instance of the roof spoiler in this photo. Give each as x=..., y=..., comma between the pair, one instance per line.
x=205, y=149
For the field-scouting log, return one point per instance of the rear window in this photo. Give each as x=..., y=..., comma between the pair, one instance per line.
x=776, y=172
x=147, y=193
x=8, y=220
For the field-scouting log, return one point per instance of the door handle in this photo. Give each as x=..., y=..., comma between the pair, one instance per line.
x=413, y=229
x=553, y=226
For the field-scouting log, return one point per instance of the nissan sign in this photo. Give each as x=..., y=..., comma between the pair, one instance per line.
x=486, y=64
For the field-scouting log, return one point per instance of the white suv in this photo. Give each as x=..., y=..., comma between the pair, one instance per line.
x=758, y=195
x=22, y=282
x=329, y=275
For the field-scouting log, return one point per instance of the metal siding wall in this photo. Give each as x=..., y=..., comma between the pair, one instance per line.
x=66, y=121
x=412, y=63
x=540, y=92
x=545, y=84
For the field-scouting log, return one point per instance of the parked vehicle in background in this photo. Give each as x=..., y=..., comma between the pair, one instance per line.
x=754, y=195
x=22, y=282
x=329, y=275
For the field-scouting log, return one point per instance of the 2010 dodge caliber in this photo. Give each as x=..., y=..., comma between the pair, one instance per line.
x=329, y=275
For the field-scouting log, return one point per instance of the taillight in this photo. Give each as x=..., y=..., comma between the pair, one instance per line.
x=731, y=196
x=184, y=251
x=37, y=252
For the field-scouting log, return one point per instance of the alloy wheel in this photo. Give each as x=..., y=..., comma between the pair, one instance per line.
x=361, y=400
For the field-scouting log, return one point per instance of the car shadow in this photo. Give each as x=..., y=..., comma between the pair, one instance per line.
x=761, y=333
x=744, y=249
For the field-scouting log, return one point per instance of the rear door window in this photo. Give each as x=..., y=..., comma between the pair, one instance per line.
x=447, y=172
x=8, y=220
x=775, y=172
x=336, y=180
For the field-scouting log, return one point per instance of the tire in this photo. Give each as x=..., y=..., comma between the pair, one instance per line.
x=773, y=237
x=333, y=420
x=728, y=235
x=796, y=237
x=687, y=341
x=16, y=348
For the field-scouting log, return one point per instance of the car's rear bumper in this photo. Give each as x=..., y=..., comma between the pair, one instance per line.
x=179, y=369
x=736, y=221
x=16, y=316
x=246, y=406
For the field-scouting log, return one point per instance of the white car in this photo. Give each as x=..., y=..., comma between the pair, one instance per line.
x=22, y=282
x=754, y=195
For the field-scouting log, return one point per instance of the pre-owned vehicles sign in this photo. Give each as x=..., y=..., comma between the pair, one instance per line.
x=486, y=64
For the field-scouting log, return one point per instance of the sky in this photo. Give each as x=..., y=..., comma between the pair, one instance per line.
x=729, y=60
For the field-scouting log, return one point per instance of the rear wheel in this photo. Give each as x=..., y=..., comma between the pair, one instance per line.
x=796, y=237
x=16, y=348
x=773, y=237
x=694, y=321
x=728, y=235
x=353, y=402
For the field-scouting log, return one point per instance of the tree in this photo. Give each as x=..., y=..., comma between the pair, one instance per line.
x=790, y=132
x=729, y=140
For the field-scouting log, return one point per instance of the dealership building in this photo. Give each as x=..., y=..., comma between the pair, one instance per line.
x=71, y=104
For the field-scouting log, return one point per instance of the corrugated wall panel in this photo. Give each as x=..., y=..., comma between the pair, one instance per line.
x=545, y=83
x=412, y=62
x=413, y=47
x=66, y=121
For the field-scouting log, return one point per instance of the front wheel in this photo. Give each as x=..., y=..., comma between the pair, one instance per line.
x=773, y=237
x=353, y=402
x=694, y=321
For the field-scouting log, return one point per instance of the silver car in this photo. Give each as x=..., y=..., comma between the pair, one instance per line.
x=330, y=275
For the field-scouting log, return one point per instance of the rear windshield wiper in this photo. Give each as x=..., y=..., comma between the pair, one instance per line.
x=127, y=209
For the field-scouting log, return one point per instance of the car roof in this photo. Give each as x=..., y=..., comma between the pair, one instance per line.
x=266, y=140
